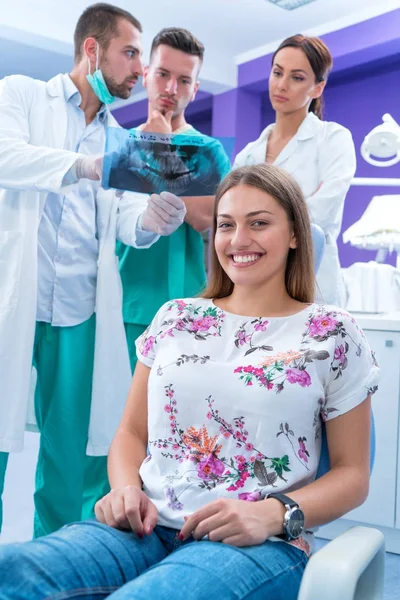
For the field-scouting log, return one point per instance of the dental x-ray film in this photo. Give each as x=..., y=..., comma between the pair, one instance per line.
x=189, y=164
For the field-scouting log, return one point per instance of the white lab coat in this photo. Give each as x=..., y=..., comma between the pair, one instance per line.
x=33, y=125
x=320, y=154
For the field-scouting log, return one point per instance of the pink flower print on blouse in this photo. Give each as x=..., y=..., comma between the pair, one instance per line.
x=273, y=372
x=147, y=345
x=281, y=367
x=303, y=452
x=241, y=473
x=298, y=376
x=249, y=372
x=168, y=332
x=260, y=325
x=340, y=359
x=244, y=336
x=194, y=319
x=321, y=326
x=340, y=355
x=180, y=305
x=250, y=496
x=180, y=325
x=210, y=467
x=203, y=324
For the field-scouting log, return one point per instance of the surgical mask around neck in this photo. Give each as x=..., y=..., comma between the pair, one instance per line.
x=97, y=82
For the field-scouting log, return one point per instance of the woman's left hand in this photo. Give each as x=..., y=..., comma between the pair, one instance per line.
x=235, y=522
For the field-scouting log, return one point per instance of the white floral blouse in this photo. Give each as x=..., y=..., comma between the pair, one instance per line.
x=235, y=404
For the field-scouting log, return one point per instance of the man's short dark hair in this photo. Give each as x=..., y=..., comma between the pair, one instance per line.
x=178, y=39
x=101, y=22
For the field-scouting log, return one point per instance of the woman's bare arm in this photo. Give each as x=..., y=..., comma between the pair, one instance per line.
x=129, y=446
x=346, y=485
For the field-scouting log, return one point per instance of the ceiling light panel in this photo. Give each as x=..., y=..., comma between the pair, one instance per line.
x=290, y=4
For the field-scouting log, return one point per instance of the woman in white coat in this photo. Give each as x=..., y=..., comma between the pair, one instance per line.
x=319, y=154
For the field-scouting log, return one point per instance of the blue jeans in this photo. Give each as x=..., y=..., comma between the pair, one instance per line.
x=92, y=561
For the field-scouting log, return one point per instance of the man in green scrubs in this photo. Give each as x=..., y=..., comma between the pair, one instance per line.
x=174, y=266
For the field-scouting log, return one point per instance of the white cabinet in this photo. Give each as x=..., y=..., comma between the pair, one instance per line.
x=380, y=507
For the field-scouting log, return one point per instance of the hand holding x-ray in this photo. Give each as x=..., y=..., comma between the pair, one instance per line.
x=89, y=167
x=189, y=164
x=164, y=214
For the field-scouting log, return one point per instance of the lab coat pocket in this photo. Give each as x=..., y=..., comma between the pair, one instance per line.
x=11, y=251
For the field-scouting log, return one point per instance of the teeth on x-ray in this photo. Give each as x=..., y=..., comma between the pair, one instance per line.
x=186, y=165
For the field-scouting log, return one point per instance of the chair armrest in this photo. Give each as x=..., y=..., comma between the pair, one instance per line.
x=350, y=567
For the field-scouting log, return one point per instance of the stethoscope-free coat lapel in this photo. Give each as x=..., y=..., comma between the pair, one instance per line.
x=294, y=149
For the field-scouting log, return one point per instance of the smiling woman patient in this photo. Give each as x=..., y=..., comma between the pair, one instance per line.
x=229, y=396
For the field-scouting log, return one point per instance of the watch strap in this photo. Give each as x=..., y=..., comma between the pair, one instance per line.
x=290, y=506
x=284, y=499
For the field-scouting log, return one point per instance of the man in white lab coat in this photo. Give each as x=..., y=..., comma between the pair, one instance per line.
x=60, y=291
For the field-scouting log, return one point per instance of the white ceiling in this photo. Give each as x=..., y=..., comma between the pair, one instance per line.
x=35, y=37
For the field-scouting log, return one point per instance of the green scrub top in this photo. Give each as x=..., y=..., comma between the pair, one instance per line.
x=173, y=267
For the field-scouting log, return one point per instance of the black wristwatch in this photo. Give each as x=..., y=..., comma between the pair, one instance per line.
x=293, y=521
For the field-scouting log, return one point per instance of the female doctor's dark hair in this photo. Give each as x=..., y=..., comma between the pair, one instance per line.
x=318, y=56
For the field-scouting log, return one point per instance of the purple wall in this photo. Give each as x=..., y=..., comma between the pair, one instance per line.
x=202, y=122
x=351, y=47
x=359, y=103
x=237, y=114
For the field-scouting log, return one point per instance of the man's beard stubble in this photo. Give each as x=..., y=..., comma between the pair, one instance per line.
x=119, y=90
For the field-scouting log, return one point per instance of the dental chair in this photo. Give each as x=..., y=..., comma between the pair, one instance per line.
x=350, y=567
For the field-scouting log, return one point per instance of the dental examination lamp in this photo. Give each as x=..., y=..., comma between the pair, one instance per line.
x=382, y=142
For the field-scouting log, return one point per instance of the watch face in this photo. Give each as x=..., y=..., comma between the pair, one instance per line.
x=295, y=524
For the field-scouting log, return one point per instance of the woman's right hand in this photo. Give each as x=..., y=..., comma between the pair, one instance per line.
x=127, y=508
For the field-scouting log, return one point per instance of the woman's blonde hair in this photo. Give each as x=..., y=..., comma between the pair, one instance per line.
x=299, y=277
